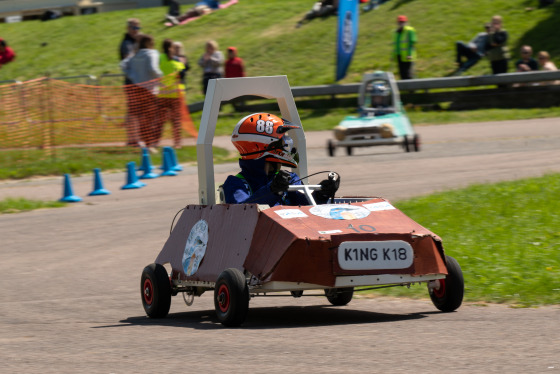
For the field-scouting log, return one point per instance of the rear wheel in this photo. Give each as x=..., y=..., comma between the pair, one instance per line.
x=349, y=151
x=156, y=291
x=447, y=294
x=339, y=296
x=416, y=143
x=330, y=148
x=231, y=298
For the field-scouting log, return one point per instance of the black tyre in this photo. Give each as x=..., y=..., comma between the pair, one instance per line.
x=349, y=151
x=330, y=148
x=231, y=298
x=156, y=291
x=416, y=143
x=406, y=144
x=297, y=294
x=449, y=295
x=339, y=296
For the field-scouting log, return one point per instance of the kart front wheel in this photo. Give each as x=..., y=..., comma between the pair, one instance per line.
x=406, y=144
x=447, y=294
x=339, y=296
x=231, y=298
x=156, y=291
x=349, y=151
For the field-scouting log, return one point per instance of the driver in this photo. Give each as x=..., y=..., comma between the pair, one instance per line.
x=264, y=146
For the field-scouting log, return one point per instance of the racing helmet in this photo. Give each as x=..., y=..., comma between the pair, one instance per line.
x=261, y=135
x=380, y=93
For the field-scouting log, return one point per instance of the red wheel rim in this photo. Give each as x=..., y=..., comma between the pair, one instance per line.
x=440, y=292
x=148, y=291
x=223, y=298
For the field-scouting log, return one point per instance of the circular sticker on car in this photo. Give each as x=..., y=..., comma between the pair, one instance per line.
x=195, y=247
x=337, y=211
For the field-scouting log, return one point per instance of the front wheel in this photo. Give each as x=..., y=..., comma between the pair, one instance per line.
x=416, y=143
x=339, y=296
x=447, y=294
x=156, y=291
x=231, y=297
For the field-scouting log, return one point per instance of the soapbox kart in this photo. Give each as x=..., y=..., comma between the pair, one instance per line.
x=381, y=118
x=247, y=250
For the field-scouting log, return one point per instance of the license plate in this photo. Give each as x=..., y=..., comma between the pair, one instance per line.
x=381, y=255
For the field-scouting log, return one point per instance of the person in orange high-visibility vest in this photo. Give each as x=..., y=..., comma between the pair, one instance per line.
x=404, y=51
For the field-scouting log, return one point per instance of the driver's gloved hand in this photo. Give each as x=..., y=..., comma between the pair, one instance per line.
x=330, y=186
x=280, y=182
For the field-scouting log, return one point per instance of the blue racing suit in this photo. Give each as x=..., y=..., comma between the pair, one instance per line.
x=252, y=186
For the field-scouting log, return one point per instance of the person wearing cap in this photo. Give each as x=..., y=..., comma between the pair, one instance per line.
x=404, y=51
x=234, y=67
x=473, y=51
x=7, y=54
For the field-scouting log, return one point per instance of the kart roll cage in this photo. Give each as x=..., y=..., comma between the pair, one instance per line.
x=226, y=89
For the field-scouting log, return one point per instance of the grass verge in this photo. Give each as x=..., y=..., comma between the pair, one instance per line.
x=19, y=164
x=11, y=205
x=505, y=236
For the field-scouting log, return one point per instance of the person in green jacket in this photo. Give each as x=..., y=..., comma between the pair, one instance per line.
x=170, y=97
x=404, y=51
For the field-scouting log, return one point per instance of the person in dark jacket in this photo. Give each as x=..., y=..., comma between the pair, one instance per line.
x=497, y=51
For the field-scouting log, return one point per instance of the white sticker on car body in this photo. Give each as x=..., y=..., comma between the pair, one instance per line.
x=291, y=213
x=376, y=207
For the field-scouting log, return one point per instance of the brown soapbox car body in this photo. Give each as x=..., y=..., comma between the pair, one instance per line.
x=247, y=250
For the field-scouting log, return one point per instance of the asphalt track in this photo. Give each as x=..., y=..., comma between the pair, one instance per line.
x=70, y=298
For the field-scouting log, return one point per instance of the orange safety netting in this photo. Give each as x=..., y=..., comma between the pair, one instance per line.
x=46, y=113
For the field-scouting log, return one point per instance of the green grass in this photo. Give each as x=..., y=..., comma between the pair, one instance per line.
x=269, y=43
x=76, y=161
x=11, y=205
x=505, y=236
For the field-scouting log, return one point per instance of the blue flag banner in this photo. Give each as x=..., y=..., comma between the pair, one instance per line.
x=347, y=35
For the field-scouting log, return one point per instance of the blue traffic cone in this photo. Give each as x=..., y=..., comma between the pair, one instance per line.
x=98, y=184
x=167, y=165
x=147, y=167
x=131, y=178
x=174, y=164
x=69, y=196
x=145, y=152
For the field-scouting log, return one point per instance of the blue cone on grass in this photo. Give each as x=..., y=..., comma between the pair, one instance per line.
x=68, y=192
x=147, y=167
x=167, y=165
x=145, y=152
x=98, y=189
x=131, y=178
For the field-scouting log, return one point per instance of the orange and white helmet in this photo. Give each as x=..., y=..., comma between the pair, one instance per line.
x=264, y=135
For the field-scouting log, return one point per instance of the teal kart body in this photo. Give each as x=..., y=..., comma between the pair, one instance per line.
x=381, y=119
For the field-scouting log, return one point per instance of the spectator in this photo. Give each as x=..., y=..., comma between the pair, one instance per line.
x=234, y=65
x=234, y=68
x=127, y=49
x=7, y=54
x=201, y=8
x=143, y=70
x=211, y=63
x=372, y=4
x=473, y=51
x=323, y=8
x=526, y=62
x=546, y=65
x=497, y=51
x=170, y=96
x=404, y=40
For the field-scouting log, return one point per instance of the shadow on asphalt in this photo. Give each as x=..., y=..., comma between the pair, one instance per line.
x=274, y=318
